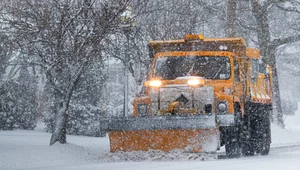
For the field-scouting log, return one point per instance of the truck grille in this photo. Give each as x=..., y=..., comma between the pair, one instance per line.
x=191, y=98
x=182, y=99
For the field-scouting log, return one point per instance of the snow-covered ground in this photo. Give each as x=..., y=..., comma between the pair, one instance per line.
x=30, y=150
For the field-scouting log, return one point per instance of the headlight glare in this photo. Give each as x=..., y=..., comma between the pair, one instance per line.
x=195, y=81
x=153, y=83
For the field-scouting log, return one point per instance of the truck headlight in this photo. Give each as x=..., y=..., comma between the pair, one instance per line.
x=153, y=83
x=222, y=107
x=196, y=81
x=142, y=109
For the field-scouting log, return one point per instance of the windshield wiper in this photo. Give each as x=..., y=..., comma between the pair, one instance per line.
x=217, y=72
x=188, y=74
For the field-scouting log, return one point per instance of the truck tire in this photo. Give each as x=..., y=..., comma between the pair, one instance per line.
x=266, y=135
x=247, y=145
x=232, y=149
x=265, y=148
x=232, y=144
x=260, y=130
x=248, y=149
x=234, y=135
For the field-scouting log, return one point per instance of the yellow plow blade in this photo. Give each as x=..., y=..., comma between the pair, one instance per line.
x=164, y=140
x=189, y=134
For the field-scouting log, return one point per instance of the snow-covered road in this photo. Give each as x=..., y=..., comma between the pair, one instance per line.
x=29, y=150
x=283, y=159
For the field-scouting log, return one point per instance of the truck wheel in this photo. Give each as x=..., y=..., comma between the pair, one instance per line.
x=247, y=145
x=265, y=148
x=260, y=128
x=256, y=132
x=262, y=145
x=248, y=149
x=232, y=145
x=232, y=149
x=266, y=137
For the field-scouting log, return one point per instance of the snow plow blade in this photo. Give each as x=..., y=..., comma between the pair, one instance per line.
x=189, y=134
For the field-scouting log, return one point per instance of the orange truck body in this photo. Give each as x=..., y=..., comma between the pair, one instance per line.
x=249, y=81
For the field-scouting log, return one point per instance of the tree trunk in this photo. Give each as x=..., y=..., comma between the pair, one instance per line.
x=277, y=114
x=60, y=127
x=268, y=52
x=231, y=18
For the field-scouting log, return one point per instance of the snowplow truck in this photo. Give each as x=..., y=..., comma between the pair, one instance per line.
x=201, y=94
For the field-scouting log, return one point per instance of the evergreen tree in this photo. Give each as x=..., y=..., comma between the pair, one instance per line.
x=18, y=102
x=7, y=118
x=25, y=99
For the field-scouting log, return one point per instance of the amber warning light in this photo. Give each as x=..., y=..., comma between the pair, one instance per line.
x=190, y=37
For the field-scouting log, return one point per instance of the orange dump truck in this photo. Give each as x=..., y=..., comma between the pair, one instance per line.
x=202, y=93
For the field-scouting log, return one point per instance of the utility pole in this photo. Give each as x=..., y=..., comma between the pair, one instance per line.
x=125, y=108
x=127, y=18
x=231, y=18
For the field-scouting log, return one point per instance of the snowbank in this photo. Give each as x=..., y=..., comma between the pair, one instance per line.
x=291, y=134
x=28, y=149
x=293, y=121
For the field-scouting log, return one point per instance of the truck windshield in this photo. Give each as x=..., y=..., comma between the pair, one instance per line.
x=209, y=67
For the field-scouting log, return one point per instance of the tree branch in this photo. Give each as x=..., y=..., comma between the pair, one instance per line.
x=287, y=9
x=269, y=3
x=241, y=24
x=282, y=41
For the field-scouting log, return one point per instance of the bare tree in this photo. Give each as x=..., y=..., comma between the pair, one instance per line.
x=231, y=18
x=269, y=45
x=63, y=37
x=262, y=23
